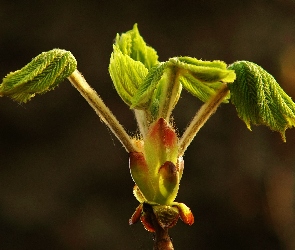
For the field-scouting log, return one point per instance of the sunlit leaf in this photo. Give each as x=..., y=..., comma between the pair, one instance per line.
x=202, y=78
x=165, y=95
x=142, y=98
x=130, y=62
x=42, y=74
x=259, y=99
x=159, y=92
x=127, y=74
x=198, y=88
x=132, y=44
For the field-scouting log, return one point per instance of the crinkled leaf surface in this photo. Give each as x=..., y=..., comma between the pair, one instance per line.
x=130, y=62
x=259, y=99
x=202, y=78
x=166, y=95
x=159, y=92
x=142, y=98
x=42, y=74
x=132, y=44
x=127, y=74
x=144, y=83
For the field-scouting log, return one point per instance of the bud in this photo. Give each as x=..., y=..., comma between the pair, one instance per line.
x=157, y=170
x=165, y=216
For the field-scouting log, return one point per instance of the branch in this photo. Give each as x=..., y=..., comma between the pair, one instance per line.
x=101, y=110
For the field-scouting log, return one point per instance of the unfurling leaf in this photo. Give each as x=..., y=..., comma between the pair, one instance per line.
x=159, y=92
x=42, y=74
x=132, y=44
x=142, y=98
x=202, y=78
x=259, y=99
x=146, y=84
x=130, y=63
x=166, y=94
x=127, y=74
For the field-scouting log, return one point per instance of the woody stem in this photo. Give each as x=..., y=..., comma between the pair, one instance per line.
x=162, y=240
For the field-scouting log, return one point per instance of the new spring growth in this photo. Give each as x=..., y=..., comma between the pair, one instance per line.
x=152, y=89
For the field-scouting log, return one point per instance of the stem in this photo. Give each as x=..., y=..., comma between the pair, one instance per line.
x=201, y=117
x=101, y=110
x=162, y=240
x=172, y=93
x=141, y=118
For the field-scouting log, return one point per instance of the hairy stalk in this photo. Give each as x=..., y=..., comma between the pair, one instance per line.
x=101, y=110
x=201, y=117
x=162, y=240
x=141, y=118
x=172, y=93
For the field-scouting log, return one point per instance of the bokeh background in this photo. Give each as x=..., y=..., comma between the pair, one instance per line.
x=64, y=178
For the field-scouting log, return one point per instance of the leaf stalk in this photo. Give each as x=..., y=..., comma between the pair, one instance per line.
x=105, y=114
x=201, y=117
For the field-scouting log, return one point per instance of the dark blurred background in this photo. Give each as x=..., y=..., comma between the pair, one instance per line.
x=64, y=178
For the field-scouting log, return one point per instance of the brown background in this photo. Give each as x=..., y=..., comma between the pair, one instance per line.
x=64, y=178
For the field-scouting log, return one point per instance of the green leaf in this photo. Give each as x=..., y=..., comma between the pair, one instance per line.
x=198, y=88
x=127, y=74
x=130, y=62
x=142, y=98
x=161, y=88
x=259, y=99
x=166, y=94
x=202, y=78
x=132, y=44
x=42, y=74
x=159, y=92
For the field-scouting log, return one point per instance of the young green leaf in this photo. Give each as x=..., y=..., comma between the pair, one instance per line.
x=166, y=94
x=132, y=44
x=42, y=74
x=259, y=99
x=130, y=62
x=198, y=88
x=202, y=78
x=159, y=92
x=142, y=98
x=127, y=74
